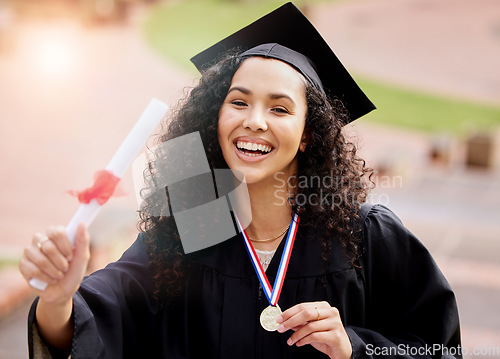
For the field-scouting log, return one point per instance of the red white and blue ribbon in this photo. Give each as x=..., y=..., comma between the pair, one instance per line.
x=272, y=293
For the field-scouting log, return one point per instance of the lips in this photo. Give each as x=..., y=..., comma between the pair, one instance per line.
x=250, y=148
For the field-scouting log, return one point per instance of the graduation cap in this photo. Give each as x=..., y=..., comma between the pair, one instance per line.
x=286, y=34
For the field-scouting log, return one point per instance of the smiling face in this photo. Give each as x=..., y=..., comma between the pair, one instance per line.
x=262, y=119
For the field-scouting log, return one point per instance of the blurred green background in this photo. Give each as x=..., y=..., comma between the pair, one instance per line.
x=178, y=30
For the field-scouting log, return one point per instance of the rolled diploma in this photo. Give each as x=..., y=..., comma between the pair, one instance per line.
x=122, y=159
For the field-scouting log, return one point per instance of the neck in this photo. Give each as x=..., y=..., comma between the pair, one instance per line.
x=271, y=213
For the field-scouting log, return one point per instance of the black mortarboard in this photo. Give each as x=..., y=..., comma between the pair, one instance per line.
x=288, y=27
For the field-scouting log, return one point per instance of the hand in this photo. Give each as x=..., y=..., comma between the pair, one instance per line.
x=318, y=324
x=52, y=259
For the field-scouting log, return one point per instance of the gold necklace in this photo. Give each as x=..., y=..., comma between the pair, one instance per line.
x=270, y=239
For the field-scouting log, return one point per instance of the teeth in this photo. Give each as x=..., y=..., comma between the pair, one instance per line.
x=253, y=147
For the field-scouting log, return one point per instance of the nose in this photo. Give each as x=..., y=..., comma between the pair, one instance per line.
x=255, y=120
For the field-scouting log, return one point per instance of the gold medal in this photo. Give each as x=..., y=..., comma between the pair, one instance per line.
x=268, y=318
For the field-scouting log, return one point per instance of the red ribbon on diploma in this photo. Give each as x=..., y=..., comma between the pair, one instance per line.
x=103, y=188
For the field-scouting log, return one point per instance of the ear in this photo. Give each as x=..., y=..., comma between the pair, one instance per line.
x=304, y=140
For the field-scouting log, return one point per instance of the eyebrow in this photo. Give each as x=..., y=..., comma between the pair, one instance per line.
x=273, y=96
x=240, y=89
x=277, y=96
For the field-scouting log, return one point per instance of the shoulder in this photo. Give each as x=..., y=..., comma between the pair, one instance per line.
x=392, y=254
x=135, y=255
x=379, y=222
x=378, y=217
x=385, y=234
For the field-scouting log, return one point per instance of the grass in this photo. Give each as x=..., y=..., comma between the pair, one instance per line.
x=179, y=30
x=8, y=262
x=427, y=112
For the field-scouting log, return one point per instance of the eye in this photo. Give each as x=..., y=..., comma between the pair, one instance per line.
x=280, y=110
x=238, y=103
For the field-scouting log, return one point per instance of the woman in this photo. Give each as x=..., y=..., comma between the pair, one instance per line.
x=355, y=282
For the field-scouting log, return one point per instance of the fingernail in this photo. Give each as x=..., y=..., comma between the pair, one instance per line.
x=279, y=319
x=281, y=329
x=69, y=258
x=289, y=341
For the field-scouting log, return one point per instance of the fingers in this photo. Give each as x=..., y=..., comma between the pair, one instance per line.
x=49, y=256
x=60, y=239
x=43, y=253
x=54, y=247
x=316, y=322
x=29, y=270
x=322, y=331
x=304, y=313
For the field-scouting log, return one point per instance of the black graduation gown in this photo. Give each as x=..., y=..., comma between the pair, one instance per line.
x=398, y=299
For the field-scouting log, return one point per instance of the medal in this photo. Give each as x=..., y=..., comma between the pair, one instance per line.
x=268, y=318
x=269, y=315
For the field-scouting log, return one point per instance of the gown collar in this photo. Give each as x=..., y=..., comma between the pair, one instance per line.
x=231, y=259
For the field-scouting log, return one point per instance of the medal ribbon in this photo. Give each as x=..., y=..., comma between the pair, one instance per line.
x=272, y=293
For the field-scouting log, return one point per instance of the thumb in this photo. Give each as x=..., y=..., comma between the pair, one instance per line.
x=81, y=248
x=80, y=260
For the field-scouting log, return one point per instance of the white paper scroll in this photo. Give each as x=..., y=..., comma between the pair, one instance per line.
x=120, y=162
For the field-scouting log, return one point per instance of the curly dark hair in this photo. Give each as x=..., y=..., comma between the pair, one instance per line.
x=327, y=155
